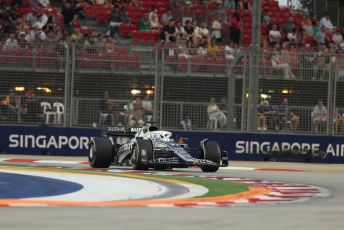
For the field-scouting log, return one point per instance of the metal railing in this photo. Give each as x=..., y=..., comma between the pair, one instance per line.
x=134, y=84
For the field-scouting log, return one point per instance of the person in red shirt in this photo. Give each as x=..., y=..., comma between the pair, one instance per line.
x=235, y=28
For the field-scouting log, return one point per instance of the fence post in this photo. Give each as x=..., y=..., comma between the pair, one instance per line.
x=67, y=90
x=160, y=88
x=331, y=94
x=156, y=83
x=253, y=77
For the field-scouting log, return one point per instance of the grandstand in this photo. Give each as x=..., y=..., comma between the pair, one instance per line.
x=87, y=48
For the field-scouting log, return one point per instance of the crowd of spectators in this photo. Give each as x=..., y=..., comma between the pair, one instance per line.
x=138, y=112
x=46, y=23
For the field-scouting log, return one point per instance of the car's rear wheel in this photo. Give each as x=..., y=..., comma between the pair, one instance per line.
x=212, y=152
x=142, y=153
x=100, y=154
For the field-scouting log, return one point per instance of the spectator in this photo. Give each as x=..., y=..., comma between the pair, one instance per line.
x=12, y=104
x=166, y=18
x=21, y=40
x=229, y=4
x=109, y=45
x=119, y=16
x=213, y=48
x=180, y=32
x=319, y=114
x=216, y=28
x=33, y=107
x=308, y=27
x=273, y=23
x=144, y=22
x=98, y=2
x=11, y=42
x=153, y=15
x=147, y=106
x=44, y=3
x=154, y=21
x=321, y=36
x=316, y=27
x=286, y=116
x=235, y=28
x=299, y=37
x=41, y=21
x=308, y=32
x=215, y=113
x=291, y=37
x=31, y=17
x=265, y=115
x=246, y=5
x=275, y=36
x=68, y=15
x=279, y=63
x=337, y=38
x=266, y=17
x=289, y=26
x=203, y=34
x=186, y=123
x=229, y=53
x=219, y=11
x=189, y=30
x=169, y=32
x=136, y=117
x=326, y=22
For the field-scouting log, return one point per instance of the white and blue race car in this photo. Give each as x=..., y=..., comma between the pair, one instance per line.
x=149, y=147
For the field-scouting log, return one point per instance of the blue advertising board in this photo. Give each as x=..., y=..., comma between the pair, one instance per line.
x=240, y=146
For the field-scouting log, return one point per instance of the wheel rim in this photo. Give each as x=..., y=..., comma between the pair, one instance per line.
x=91, y=154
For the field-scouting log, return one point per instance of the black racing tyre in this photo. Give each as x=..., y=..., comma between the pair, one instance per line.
x=212, y=153
x=142, y=153
x=100, y=154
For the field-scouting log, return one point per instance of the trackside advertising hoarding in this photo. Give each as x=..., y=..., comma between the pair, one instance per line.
x=240, y=146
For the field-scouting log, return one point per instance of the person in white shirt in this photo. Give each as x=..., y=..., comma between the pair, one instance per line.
x=11, y=42
x=154, y=22
x=337, y=38
x=326, y=22
x=98, y=2
x=41, y=22
x=44, y=3
x=147, y=105
x=319, y=114
x=274, y=36
x=215, y=113
x=216, y=30
x=204, y=33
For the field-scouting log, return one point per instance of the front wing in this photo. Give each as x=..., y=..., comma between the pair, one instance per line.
x=177, y=162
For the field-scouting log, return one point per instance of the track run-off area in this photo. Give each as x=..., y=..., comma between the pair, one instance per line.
x=300, y=195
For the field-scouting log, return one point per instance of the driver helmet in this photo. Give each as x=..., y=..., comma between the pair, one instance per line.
x=145, y=130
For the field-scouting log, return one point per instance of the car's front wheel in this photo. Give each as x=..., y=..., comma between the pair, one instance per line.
x=100, y=153
x=142, y=153
x=212, y=152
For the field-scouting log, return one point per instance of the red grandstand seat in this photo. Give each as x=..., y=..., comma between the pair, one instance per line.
x=102, y=17
x=135, y=37
x=89, y=11
x=182, y=64
x=124, y=30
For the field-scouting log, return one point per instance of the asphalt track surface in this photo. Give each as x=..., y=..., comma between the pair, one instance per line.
x=318, y=213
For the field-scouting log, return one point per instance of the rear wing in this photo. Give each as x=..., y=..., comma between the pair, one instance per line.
x=121, y=131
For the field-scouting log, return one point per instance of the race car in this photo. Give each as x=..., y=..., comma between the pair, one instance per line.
x=149, y=147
